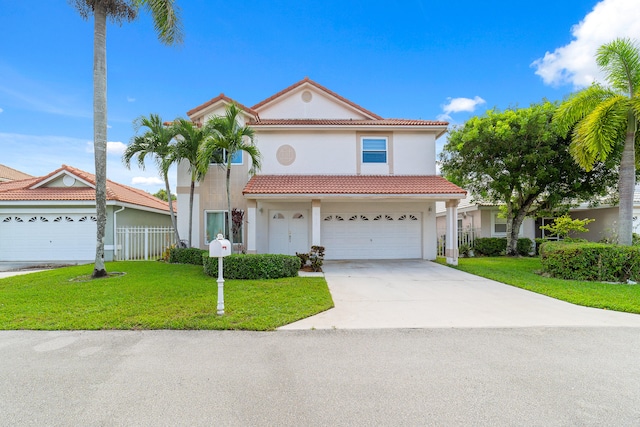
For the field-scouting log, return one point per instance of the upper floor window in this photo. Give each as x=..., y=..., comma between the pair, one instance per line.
x=374, y=150
x=221, y=157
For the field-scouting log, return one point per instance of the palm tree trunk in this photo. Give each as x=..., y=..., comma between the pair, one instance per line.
x=229, y=219
x=173, y=215
x=100, y=130
x=626, y=184
x=191, y=191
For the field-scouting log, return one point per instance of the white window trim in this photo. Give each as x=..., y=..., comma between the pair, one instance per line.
x=494, y=215
x=386, y=149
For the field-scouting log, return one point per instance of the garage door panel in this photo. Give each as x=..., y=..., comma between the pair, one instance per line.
x=377, y=235
x=47, y=237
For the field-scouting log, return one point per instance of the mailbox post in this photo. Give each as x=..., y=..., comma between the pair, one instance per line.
x=220, y=248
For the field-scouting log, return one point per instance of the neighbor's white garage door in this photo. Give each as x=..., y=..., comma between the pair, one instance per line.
x=47, y=237
x=371, y=235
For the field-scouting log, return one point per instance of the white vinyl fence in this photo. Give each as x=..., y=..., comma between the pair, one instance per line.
x=465, y=237
x=142, y=243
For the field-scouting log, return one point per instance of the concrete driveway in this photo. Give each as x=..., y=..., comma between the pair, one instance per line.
x=423, y=294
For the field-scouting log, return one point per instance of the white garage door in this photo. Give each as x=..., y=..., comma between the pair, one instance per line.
x=372, y=235
x=47, y=237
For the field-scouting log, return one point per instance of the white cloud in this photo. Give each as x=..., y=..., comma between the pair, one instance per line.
x=146, y=180
x=113, y=147
x=1, y=110
x=116, y=147
x=457, y=105
x=130, y=99
x=575, y=63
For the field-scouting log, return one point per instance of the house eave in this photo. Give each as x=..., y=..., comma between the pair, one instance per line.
x=351, y=196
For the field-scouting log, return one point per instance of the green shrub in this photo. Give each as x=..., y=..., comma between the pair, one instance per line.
x=591, y=261
x=494, y=246
x=464, y=250
x=186, y=255
x=539, y=243
x=490, y=246
x=524, y=246
x=253, y=266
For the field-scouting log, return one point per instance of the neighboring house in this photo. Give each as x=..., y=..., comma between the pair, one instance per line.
x=10, y=174
x=334, y=174
x=53, y=218
x=482, y=219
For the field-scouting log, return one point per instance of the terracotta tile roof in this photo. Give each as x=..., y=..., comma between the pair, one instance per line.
x=35, y=190
x=342, y=122
x=220, y=97
x=322, y=88
x=10, y=174
x=351, y=184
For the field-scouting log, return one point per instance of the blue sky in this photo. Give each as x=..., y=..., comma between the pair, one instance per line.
x=421, y=59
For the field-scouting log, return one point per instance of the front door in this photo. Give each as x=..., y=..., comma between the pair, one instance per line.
x=288, y=232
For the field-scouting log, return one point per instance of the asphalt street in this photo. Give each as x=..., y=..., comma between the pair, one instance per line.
x=403, y=377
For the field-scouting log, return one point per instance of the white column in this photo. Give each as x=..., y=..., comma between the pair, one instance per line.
x=252, y=221
x=315, y=223
x=451, y=249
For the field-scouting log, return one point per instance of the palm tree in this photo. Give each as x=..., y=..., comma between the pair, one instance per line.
x=227, y=138
x=188, y=148
x=167, y=25
x=156, y=142
x=604, y=121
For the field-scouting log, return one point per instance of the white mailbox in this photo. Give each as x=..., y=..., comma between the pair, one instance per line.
x=220, y=247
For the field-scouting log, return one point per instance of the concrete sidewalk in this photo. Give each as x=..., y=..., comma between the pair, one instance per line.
x=423, y=294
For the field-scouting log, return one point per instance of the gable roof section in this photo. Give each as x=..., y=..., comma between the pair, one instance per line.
x=372, y=185
x=332, y=94
x=35, y=189
x=10, y=174
x=222, y=98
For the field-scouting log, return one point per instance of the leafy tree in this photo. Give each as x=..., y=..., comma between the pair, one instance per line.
x=604, y=120
x=564, y=225
x=516, y=157
x=155, y=142
x=191, y=139
x=162, y=195
x=228, y=137
x=167, y=25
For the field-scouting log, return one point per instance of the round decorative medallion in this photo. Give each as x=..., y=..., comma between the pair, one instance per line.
x=306, y=96
x=68, y=180
x=286, y=155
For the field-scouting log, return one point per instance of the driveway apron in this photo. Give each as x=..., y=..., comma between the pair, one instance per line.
x=423, y=294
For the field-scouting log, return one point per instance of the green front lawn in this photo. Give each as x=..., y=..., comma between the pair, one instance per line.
x=155, y=295
x=521, y=272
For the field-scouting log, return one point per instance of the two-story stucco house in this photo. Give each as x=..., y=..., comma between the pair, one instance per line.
x=333, y=174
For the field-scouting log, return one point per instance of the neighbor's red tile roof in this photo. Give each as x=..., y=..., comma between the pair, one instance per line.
x=350, y=184
x=10, y=174
x=320, y=87
x=23, y=191
x=343, y=122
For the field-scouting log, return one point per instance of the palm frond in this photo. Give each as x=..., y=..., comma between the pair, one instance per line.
x=620, y=60
x=578, y=105
x=166, y=19
x=596, y=135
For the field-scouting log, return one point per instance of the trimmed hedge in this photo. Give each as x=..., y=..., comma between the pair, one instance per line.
x=490, y=246
x=186, y=255
x=495, y=246
x=524, y=246
x=591, y=261
x=253, y=266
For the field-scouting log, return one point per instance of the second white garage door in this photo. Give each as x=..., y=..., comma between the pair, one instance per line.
x=372, y=235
